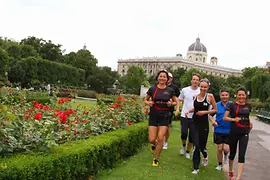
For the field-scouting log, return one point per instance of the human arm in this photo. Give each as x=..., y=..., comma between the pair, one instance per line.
x=189, y=111
x=227, y=118
x=147, y=101
x=214, y=105
x=175, y=100
x=212, y=120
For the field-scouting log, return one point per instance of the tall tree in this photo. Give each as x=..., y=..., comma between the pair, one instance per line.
x=4, y=59
x=134, y=79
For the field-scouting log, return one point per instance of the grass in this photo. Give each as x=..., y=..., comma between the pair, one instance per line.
x=86, y=103
x=172, y=166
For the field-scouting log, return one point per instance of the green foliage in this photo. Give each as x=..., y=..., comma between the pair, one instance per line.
x=260, y=86
x=77, y=160
x=31, y=68
x=4, y=59
x=37, y=127
x=134, y=79
x=177, y=74
x=86, y=93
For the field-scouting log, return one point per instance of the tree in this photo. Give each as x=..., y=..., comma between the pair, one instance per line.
x=4, y=59
x=134, y=79
x=177, y=74
x=85, y=60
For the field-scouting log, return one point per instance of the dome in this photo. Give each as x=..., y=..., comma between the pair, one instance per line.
x=197, y=46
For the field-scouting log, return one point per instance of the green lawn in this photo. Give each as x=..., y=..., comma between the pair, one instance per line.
x=88, y=104
x=172, y=166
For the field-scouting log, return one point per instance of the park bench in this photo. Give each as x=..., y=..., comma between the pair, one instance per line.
x=264, y=116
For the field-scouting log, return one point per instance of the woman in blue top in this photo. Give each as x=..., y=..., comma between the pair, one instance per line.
x=221, y=128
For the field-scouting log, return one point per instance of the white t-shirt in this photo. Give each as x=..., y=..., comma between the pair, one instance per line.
x=187, y=95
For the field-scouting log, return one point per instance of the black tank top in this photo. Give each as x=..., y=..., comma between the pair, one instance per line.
x=203, y=105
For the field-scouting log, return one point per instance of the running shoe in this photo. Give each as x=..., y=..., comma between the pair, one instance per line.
x=182, y=150
x=187, y=155
x=219, y=167
x=155, y=162
x=195, y=171
x=152, y=148
x=231, y=175
x=205, y=161
x=165, y=145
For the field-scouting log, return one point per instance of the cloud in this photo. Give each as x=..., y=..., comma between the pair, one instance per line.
x=234, y=31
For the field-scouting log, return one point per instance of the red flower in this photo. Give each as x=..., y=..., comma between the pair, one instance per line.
x=121, y=98
x=84, y=121
x=115, y=105
x=63, y=118
x=146, y=111
x=128, y=123
x=38, y=116
x=69, y=111
x=66, y=127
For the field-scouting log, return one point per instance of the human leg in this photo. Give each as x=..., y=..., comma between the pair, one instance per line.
x=243, y=142
x=203, y=138
x=167, y=135
x=233, y=140
x=196, y=152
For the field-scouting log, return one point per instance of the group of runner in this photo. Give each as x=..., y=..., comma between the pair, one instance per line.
x=231, y=123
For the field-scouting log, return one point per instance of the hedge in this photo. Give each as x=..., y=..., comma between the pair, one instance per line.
x=76, y=160
x=36, y=71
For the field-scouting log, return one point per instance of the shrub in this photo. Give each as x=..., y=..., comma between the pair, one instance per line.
x=77, y=160
x=36, y=127
x=86, y=93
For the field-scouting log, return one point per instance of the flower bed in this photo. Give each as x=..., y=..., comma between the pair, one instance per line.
x=76, y=160
x=34, y=127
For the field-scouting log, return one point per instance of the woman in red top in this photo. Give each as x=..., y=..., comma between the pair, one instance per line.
x=241, y=125
x=160, y=98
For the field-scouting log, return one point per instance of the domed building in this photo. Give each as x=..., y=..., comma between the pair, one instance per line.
x=196, y=58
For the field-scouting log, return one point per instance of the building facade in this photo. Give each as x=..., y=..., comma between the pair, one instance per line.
x=196, y=58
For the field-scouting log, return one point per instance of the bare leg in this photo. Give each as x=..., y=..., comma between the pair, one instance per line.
x=219, y=152
x=152, y=134
x=162, y=131
x=240, y=170
x=167, y=135
x=189, y=146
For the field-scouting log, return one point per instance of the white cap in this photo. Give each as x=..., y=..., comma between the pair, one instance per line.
x=170, y=74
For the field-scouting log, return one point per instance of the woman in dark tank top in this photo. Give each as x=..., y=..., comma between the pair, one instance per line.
x=200, y=125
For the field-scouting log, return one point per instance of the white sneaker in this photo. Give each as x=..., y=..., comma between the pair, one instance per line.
x=165, y=145
x=205, y=161
x=226, y=159
x=182, y=150
x=219, y=167
x=195, y=171
x=187, y=155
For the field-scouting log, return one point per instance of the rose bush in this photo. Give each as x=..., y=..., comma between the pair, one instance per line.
x=34, y=127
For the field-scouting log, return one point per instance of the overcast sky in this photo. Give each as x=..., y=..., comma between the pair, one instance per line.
x=237, y=32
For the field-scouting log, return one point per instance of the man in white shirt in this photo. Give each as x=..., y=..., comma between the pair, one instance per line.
x=187, y=95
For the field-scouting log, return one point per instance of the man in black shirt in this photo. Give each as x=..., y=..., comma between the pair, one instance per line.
x=177, y=93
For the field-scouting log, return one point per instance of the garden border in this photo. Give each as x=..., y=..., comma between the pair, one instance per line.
x=78, y=159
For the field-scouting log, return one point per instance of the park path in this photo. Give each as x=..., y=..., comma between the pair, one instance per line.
x=257, y=166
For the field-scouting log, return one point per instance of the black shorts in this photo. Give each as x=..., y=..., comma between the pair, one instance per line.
x=185, y=124
x=156, y=119
x=170, y=117
x=220, y=138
